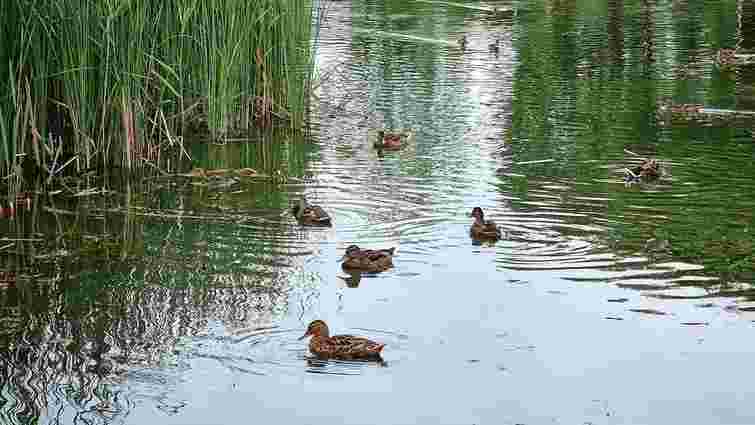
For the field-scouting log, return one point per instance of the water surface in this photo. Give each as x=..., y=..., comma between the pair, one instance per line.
x=168, y=301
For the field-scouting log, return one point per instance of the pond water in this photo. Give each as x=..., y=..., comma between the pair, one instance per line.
x=173, y=302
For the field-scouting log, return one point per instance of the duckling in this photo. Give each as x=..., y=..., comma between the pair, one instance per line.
x=367, y=260
x=482, y=229
x=344, y=347
x=312, y=215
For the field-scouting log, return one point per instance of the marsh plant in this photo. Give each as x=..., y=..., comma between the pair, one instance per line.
x=96, y=83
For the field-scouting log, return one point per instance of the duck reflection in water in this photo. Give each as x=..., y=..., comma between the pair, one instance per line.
x=353, y=279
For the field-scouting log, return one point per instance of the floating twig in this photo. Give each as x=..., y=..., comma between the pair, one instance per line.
x=90, y=192
x=539, y=161
x=58, y=211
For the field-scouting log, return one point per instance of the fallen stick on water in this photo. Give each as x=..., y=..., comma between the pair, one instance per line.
x=539, y=161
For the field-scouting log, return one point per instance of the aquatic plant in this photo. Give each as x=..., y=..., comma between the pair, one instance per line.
x=119, y=81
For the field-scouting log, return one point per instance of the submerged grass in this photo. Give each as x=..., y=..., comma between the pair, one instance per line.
x=118, y=81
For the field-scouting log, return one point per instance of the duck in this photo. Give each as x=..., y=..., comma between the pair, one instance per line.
x=726, y=58
x=493, y=47
x=367, y=260
x=648, y=169
x=393, y=140
x=342, y=347
x=463, y=42
x=686, y=108
x=312, y=215
x=482, y=229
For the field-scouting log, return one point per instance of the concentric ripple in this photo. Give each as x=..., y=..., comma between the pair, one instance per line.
x=270, y=351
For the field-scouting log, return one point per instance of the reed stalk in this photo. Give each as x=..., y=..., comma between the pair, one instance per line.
x=118, y=80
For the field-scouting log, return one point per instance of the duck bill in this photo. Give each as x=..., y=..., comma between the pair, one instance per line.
x=306, y=334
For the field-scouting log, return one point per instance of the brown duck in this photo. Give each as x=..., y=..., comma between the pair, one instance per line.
x=649, y=169
x=367, y=260
x=312, y=215
x=393, y=140
x=483, y=229
x=345, y=347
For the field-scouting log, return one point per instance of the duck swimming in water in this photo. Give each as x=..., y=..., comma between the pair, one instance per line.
x=392, y=140
x=312, y=215
x=483, y=229
x=344, y=347
x=368, y=260
x=649, y=169
x=463, y=42
x=494, y=46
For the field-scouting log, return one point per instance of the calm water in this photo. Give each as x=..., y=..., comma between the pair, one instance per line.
x=169, y=302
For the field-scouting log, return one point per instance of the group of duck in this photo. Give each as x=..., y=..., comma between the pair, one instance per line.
x=356, y=259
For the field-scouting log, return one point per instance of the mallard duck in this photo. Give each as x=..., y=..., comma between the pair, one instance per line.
x=263, y=109
x=686, y=108
x=392, y=140
x=368, y=260
x=463, y=42
x=648, y=169
x=482, y=229
x=493, y=47
x=312, y=215
x=345, y=347
x=726, y=58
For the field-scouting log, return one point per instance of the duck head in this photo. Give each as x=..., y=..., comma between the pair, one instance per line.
x=316, y=328
x=478, y=214
x=351, y=251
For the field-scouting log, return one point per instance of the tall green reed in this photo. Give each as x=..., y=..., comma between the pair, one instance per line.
x=126, y=73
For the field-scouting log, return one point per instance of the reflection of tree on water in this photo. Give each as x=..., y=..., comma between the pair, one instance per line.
x=745, y=27
x=69, y=355
x=108, y=293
